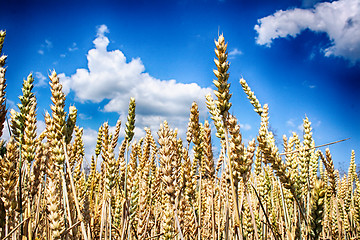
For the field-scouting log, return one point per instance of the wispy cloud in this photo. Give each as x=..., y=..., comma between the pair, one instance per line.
x=73, y=47
x=41, y=80
x=235, y=52
x=245, y=126
x=340, y=20
x=312, y=86
x=45, y=46
x=307, y=84
x=48, y=44
x=290, y=123
x=84, y=116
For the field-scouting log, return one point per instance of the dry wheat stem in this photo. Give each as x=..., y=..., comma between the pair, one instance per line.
x=68, y=168
x=323, y=145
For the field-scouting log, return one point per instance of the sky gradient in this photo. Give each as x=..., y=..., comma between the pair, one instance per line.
x=300, y=57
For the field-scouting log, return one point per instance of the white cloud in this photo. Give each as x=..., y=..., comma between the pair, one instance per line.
x=73, y=47
x=235, y=52
x=340, y=20
x=48, y=43
x=290, y=123
x=6, y=132
x=41, y=80
x=111, y=76
x=245, y=126
x=84, y=116
x=101, y=30
x=309, y=85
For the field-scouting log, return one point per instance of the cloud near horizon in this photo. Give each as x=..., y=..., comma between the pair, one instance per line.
x=111, y=76
x=340, y=20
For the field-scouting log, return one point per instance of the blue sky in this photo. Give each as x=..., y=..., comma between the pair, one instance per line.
x=300, y=57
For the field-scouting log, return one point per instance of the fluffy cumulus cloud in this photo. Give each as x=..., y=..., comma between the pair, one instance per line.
x=340, y=20
x=111, y=76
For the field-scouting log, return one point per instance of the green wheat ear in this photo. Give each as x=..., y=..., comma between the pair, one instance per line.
x=130, y=124
x=28, y=103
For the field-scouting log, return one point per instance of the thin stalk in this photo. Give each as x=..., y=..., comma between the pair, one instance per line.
x=102, y=222
x=240, y=210
x=29, y=227
x=109, y=222
x=125, y=205
x=286, y=214
x=37, y=213
x=92, y=182
x=105, y=219
x=71, y=227
x=338, y=214
x=124, y=222
x=323, y=145
x=213, y=216
x=66, y=203
x=232, y=182
x=156, y=236
x=252, y=215
x=219, y=223
x=227, y=220
x=178, y=225
x=92, y=196
x=301, y=210
x=15, y=228
x=20, y=189
x=266, y=217
x=64, y=200
x=199, y=204
x=68, y=168
x=126, y=169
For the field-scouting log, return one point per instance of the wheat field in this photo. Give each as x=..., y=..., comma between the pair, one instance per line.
x=164, y=187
